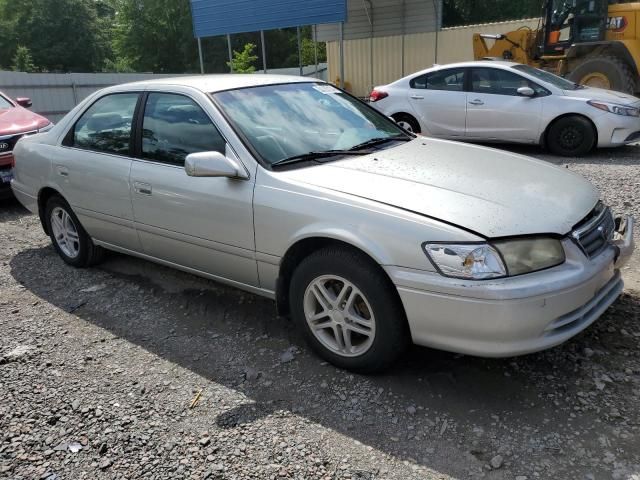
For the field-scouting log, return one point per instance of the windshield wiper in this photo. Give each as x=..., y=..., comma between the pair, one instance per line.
x=311, y=156
x=380, y=140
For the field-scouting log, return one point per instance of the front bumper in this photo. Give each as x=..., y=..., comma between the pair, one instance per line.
x=616, y=130
x=518, y=315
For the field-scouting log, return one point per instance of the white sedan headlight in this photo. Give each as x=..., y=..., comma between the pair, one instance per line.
x=615, y=108
x=480, y=261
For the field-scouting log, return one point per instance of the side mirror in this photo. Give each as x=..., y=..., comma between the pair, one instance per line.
x=24, y=102
x=212, y=164
x=526, y=92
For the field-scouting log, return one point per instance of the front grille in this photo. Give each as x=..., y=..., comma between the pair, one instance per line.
x=633, y=137
x=594, y=233
x=8, y=142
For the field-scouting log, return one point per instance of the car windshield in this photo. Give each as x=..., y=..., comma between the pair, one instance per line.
x=547, y=77
x=295, y=119
x=4, y=103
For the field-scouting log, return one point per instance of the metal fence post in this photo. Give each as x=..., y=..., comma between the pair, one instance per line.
x=341, y=40
x=74, y=91
x=299, y=50
x=230, y=53
x=264, y=52
x=200, y=55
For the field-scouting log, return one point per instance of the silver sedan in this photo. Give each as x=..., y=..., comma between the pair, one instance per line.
x=367, y=236
x=498, y=101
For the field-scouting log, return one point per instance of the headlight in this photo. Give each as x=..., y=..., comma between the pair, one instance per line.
x=46, y=128
x=616, y=109
x=530, y=254
x=476, y=261
x=480, y=261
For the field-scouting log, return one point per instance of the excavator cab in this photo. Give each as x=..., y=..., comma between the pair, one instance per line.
x=568, y=22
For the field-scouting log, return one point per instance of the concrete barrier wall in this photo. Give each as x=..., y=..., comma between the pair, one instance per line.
x=55, y=94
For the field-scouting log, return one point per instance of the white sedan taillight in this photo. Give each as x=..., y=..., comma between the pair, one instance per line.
x=377, y=95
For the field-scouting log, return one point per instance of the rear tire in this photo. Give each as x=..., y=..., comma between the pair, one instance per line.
x=406, y=121
x=593, y=71
x=571, y=136
x=69, y=238
x=369, y=305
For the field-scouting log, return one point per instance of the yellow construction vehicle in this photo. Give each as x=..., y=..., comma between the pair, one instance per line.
x=591, y=42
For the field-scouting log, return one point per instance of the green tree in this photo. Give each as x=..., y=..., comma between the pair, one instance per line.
x=118, y=65
x=309, y=49
x=22, y=60
x=244, y=61
x=61, y=35
x=155, y=36
x=471, y=12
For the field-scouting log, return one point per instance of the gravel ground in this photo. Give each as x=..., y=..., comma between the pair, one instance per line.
x=132, y=370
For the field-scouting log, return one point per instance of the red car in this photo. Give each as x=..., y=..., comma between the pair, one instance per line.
x=15, y=122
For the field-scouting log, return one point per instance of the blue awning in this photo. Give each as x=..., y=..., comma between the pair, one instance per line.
x=220, y=17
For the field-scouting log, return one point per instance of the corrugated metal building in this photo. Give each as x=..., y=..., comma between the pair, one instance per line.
x=384, y=18
x=380, y=40
x=383, y=39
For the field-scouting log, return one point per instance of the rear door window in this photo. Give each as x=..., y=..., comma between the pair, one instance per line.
x=106, y=125
x=449, y=80
x=175, y=126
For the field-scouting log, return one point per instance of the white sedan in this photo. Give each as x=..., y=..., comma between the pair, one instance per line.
x=497, y=101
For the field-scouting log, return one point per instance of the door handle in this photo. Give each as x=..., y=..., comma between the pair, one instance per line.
x=417, y=97
x=63, y=171
x=477, y=101
x=142, y=188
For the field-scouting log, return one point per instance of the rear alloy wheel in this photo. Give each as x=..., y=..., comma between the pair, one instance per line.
x=571, y=136
x=348, y=310
x=407, y=122
x=64, y=232
x=69, y=239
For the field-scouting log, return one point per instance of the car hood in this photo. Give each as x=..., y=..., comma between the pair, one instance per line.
x=603, y=95
x=18, y=120
x=490, y=192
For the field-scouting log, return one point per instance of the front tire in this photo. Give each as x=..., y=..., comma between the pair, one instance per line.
x=571, y=136
x=69, y=238
x=348, y=311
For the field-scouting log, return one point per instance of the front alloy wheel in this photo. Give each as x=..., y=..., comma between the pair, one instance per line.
x=339, y=315
x=348, y=309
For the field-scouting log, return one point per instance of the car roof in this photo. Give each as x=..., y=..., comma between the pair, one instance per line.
x=473, y=63
x=477, y=63
x=220, y=82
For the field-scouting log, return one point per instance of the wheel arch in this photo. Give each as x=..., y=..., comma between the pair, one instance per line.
x=543, y=137
x=302, y=248
x=44, y=195
x=398, y=116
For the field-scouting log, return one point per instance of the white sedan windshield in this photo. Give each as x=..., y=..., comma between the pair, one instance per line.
x=287, y=120
x=547, y=77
